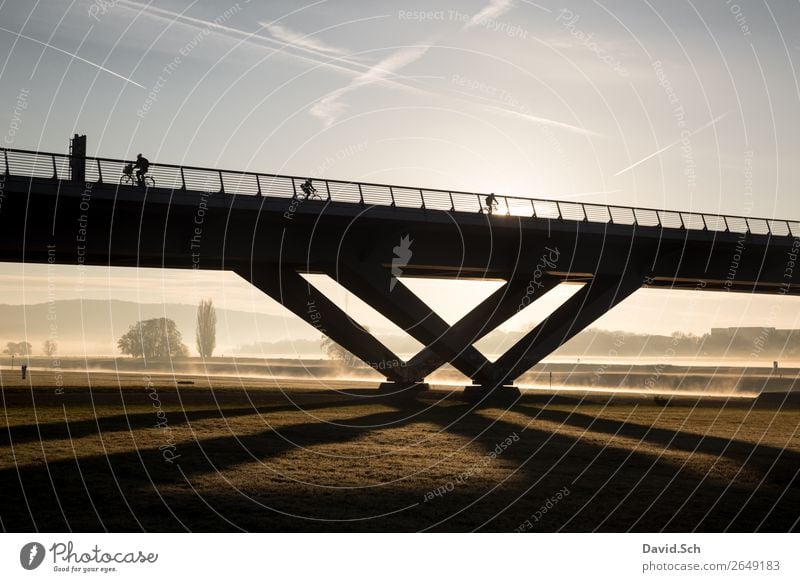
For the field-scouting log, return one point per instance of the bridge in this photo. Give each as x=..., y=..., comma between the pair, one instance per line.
x=71, y=209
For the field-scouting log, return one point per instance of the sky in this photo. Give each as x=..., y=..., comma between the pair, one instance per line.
x=666, y=104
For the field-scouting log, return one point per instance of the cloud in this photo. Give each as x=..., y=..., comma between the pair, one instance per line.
x=490, y=12
x=542, y=121
x=300, y=40
x=330, y=106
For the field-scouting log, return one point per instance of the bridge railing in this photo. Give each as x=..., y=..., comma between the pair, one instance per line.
x=28, y=163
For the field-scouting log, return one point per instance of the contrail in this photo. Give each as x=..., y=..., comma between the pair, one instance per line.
x=74, y=56
x=542, y=120
x=673, y=144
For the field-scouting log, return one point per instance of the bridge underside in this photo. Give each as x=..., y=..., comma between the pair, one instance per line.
x=444, y=343
x=272, y=242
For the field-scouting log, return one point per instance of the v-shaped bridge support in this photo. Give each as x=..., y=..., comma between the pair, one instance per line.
x=444, y=343
x=288, y=288
x=595, y=299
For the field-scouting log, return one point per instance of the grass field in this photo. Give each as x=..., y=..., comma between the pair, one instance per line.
x=131, y=452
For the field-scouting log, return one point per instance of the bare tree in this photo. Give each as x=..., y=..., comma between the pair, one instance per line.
x=206, y=337
x=49, y=347
x=339, y=354
x=334, y=350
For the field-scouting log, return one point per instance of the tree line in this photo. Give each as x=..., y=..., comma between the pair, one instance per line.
x=152, y=339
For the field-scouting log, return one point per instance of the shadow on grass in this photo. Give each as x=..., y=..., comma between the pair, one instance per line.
x=137, y=490
x=24, y=433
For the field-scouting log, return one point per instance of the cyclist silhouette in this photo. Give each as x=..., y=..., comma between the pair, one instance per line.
x=308, y=188
x=142, y=165
x=491, y=203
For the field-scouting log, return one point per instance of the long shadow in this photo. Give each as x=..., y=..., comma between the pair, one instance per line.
x=598, y=477
x=162, y=497
x=776, y=464
x=23, y=433
x=140, y=471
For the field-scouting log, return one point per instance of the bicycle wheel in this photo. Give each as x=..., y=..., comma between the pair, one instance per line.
x=149, y=182
x=126, y=180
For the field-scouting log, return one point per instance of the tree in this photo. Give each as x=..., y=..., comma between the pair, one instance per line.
x=206, y=337
x=153, y=339
x=18, y=349
x=49, y=347
x=334, y=350
x=338, y=353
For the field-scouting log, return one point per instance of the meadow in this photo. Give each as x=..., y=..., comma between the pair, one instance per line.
x=97, y=451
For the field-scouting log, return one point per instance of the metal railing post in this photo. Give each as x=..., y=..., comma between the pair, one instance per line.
x=452, y=204
x=747, y=225
x=183, y=180
x=703, y=217
x=361, y=194
x=99, y=172
x=558, y=206
x=680, y=215
x=725, y=220
x=789, y=228
x=294, y=189
x=422, y=197
x=221, y=183
x=5, y=155
x=533, y=207
x=55, y=171
x=391, y=193
x=328, y=190
x=585, y=216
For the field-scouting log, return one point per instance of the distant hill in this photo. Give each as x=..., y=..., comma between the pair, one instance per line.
x=94, y=326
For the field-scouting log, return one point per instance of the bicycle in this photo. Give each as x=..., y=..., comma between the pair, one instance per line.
x=309, y=191
x=131, y=180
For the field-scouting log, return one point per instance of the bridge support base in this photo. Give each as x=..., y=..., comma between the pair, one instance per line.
x=403, y=388
x=487, y=394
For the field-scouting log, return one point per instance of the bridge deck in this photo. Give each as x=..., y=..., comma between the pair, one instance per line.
x=27, y=163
